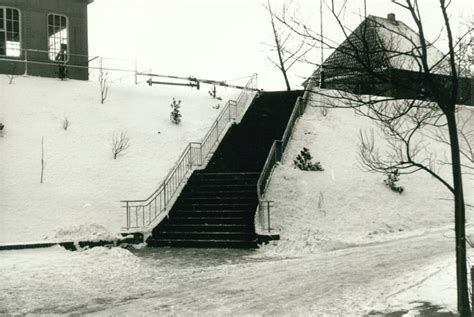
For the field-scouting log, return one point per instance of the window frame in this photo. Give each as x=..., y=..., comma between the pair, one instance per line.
x=5, y=31
x=48, y=36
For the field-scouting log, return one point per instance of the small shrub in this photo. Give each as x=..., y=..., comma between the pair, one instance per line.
x=10, y=78
x=391, y=181
x=12, y=71
x=1, y=126
x=120, y=143
x=65, y=123
x=324, y=111
x=175, y=115
x=321, y=203
x=104, y=87
x=303, y=161
x=213, y=92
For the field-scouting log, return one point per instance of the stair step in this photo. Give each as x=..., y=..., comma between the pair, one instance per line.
x=209, y=220
x=204, y=235
x=226, y=175
x=206, y=228
x=223, y=187
x=216, y=206
x=223, y=182
x=193, y=199
x=221, y=193
x=213, y=213
x=183, y=243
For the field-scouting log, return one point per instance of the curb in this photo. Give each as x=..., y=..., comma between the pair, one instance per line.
x=136, y=238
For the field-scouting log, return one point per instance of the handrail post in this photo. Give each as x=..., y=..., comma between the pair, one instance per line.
x=164, y=195
x=200, y=154
x=26, y=62
x=268, y=214
x=128, y=215
x=136, y=216
x=136, y=73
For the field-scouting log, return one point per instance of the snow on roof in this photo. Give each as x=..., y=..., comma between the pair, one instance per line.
x=404, y=48
x=402, y=44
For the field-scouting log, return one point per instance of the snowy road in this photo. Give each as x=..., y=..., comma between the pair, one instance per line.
x=116, y=282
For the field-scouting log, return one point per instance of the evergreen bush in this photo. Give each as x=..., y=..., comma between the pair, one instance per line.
x=175, y=115
x=391, y=181
x=303, y=161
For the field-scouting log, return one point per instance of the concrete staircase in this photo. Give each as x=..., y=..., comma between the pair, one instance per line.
x=217, y=206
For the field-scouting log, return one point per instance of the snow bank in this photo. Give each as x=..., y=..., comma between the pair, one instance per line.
x=42, y=281
x=85, y=232
x=83, y=184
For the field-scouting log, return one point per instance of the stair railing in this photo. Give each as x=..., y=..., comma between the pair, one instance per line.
x=274, y=156
x=143, y=212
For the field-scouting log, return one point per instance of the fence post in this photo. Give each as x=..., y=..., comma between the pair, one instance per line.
x=268, y=214
x=26, y=62
x=136, y=71
x=100, y=66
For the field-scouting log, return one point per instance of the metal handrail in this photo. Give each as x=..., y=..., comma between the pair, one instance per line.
x=26, y=59
x=274, y=156
x=143, y=212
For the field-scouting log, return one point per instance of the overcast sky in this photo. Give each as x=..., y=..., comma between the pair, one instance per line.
x=223, y=39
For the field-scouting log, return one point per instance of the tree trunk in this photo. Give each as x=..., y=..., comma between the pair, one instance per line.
x=459, y=218
x=287, y=83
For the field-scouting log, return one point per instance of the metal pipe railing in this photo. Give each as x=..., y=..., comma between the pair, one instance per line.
x=27, y=58
x=274, y=156
x=125, y=68
x=143, y=212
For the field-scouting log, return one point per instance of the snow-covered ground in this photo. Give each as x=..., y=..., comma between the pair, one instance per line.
x=382, y=277
x=344, y=206
x=83, y=184
x=349, y=246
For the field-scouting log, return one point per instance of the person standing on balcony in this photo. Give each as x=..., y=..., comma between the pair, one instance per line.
x=61, y=58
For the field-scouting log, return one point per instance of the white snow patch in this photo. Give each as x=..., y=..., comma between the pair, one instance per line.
x=345, y=205
x=84, y=232
x=83, y=184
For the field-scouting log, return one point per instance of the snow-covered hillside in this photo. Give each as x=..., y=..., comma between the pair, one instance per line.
x=344, y=205
x=83, y=184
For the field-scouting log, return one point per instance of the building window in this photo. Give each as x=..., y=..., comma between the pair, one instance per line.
x=57, y=37
x=10, y=32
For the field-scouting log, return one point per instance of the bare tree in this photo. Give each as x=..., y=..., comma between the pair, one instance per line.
x=104, y=87
x=120, y=143
x=42, y=160
x=410, y=105
x=287, y=55
x=65, y=123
